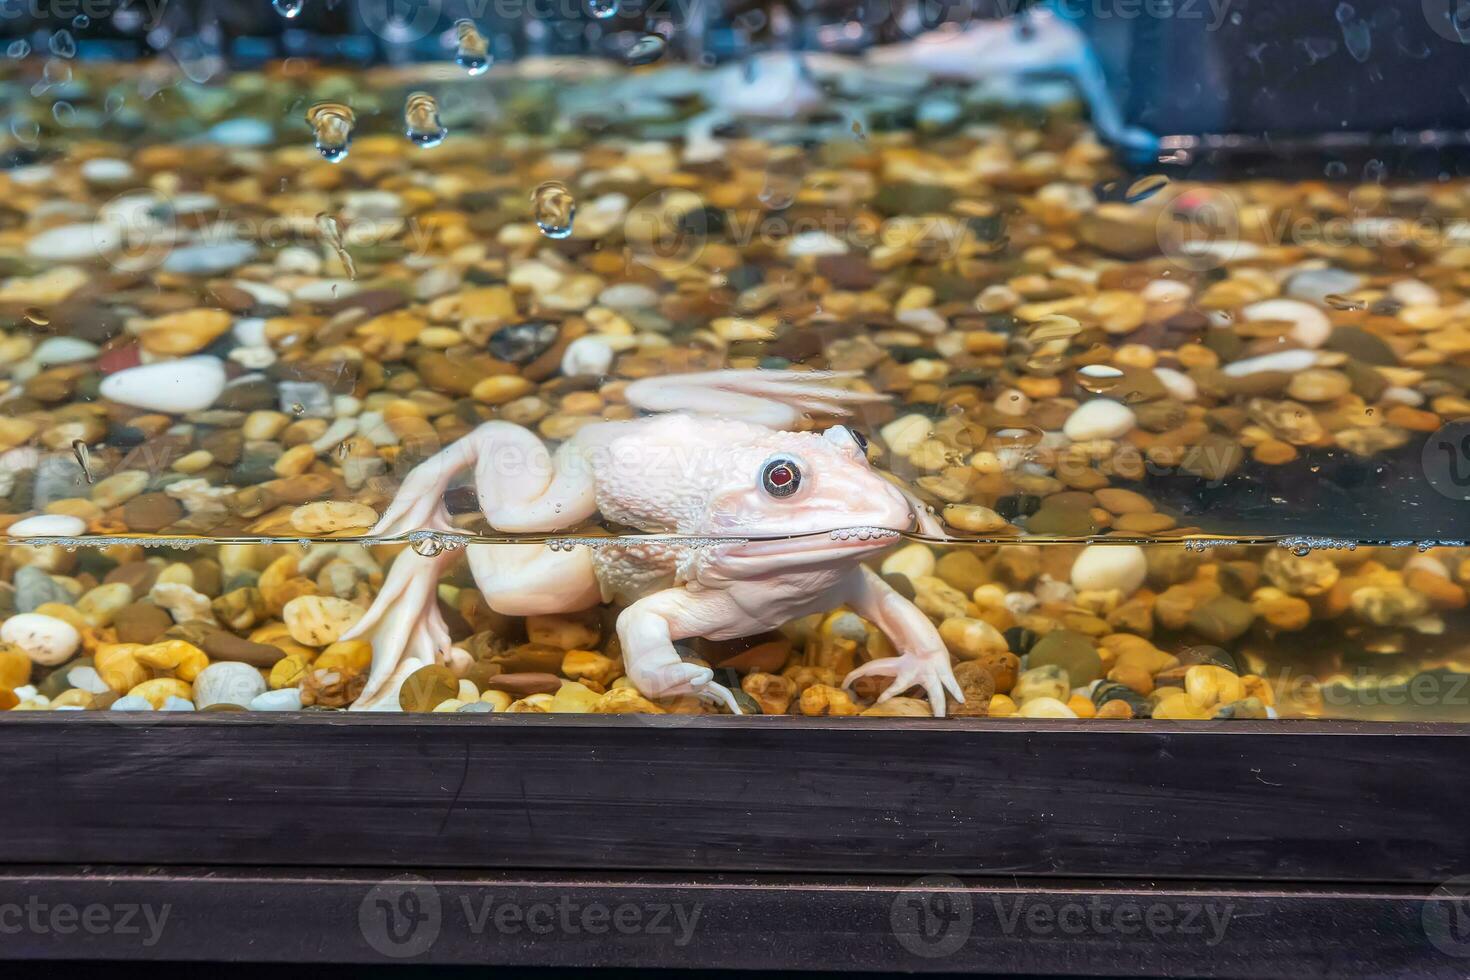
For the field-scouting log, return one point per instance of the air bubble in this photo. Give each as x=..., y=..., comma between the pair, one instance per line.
x=289, y=9
x=421, y=117
x=63, y=45
x=602, y=9
x=554, y=208
x=332, y=123
x=473, y=49
x=646, y=50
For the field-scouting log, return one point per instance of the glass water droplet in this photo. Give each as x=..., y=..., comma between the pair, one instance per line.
x=646, y=50
x=553, y=207
x=80, y=21
x=18, y=49
x=332, y=123
x=331, y=233
x=473, y=49
x=421, y=119
x=289, y=9
x=602, y=9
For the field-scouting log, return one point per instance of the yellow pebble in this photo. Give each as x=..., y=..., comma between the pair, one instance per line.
x=352, y=656
x=74, y=698
x=295, y=461
x=159, y=689
x=1001, y=706
x=497, y=700
x=64, y=613
x=118, y=667
x=184, y=659
x=289, y=671
x=573, y=698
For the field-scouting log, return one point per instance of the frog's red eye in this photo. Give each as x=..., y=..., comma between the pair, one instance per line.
x=780, y=478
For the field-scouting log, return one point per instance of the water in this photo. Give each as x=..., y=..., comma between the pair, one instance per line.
x=1158, y=429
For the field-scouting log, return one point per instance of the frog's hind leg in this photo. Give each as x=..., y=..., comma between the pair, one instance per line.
x=534, y=579
x=776, y=399
x=405, y=626
x=520, y=488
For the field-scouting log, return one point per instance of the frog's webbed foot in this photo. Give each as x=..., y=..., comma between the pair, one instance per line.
x=777, y=399
x=405, y=627
x=924, y=660
x=647, y=630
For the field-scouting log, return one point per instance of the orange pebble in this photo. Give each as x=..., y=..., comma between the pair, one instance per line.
x=1274, y=452
x=1082, y=706
x=1414, y=419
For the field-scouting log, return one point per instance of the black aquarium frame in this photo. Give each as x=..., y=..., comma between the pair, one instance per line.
x=1335, y=848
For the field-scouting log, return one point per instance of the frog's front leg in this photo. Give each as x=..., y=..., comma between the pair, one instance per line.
x=647, y=630
x=923, y=658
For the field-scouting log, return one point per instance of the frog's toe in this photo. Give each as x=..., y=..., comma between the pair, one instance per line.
x=720, y=694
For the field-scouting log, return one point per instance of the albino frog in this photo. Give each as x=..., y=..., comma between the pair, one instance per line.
x=767, y=526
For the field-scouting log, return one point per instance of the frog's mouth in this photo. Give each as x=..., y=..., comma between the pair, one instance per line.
x=818, y=548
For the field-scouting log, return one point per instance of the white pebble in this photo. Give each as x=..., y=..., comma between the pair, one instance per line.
x=47, y=640
x=71, y=243
x=228, y=682
x=48, y=526
x=87, y=679
x=1177, y=383
x=1412, y=292
x=1166, y=291
x=107, y=170
x=286, y=699
x=1102, y=567
x=189, y=384
x=249, y=331
x=815, y=243
x=63, y=350
x=175, y=703
x=1100, y=418
x=1286, y=361
x=1404, y=396
x=904, y=434
x=132, y=702
x=1310, y=326
x=590, y=355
